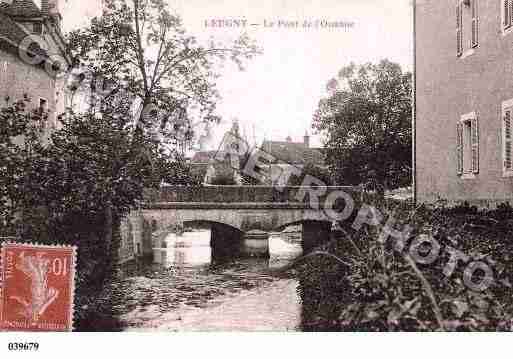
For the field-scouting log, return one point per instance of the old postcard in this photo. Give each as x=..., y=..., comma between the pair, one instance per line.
x=255, y=166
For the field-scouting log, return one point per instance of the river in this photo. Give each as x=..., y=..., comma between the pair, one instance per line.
x=185, y=289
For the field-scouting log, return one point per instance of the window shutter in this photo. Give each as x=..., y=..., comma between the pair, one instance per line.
x=507, y=140
x=459, y=148
x=474, y=129
x=459, y=36
x=475, y=24
x=507, y=13
x=510, y=12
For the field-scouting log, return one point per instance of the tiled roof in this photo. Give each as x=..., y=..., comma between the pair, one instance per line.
x=10, y=30
x=21, y=8
x=293, y=153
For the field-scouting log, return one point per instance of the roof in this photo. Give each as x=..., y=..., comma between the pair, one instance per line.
x=21, y=8
x=13, y=34
x=293, y=152
x=203, y=156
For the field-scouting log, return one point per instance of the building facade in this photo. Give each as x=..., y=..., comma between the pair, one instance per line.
x=216, y=171
x=464, y=101
x=289, y=159
x=33, y=56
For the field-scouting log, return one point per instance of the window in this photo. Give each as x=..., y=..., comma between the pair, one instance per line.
x=507, y=15
x=459, y=29
x=507, y=138
x=468, y=145
x=475, y=24
x=37, y=28
x=43, y=105
x=4, y=65
x=467, y=18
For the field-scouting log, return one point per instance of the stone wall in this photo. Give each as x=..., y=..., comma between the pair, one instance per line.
x=241, y=194
x=132, y=231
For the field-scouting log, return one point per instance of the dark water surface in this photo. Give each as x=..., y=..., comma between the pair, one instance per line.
x=185, y=289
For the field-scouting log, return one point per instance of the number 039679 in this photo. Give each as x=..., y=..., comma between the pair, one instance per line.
x=23, y=347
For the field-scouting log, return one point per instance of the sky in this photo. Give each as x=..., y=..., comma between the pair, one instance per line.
x=277, y=95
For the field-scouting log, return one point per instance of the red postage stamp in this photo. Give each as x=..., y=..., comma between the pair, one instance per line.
x=37, y=287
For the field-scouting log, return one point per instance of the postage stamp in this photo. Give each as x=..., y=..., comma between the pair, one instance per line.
x=37, y=287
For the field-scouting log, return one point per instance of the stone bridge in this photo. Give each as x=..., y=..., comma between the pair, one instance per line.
x=240, y=217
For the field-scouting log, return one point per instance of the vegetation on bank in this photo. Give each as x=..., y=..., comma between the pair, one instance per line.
x=382, y=289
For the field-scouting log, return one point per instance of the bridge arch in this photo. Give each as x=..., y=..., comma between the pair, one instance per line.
x=313, y=232
x=283, y=225
x=209, y=224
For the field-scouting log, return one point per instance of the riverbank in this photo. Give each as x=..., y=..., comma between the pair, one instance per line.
x=382, y=289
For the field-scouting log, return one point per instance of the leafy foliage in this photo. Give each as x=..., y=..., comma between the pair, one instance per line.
x=57, y=190
x=366, y=121
x=315, y=171
x=141, y=48
x=74, y=187
x=223, y=180
x=382, y=291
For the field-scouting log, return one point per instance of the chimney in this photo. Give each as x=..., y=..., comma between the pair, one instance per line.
x=307, y=140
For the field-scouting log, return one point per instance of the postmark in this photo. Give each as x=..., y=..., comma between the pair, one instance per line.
x=37, y=287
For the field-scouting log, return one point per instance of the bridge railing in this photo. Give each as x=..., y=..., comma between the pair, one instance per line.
x=240, y=194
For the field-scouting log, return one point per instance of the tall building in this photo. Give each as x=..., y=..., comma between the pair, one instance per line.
x=464, y=100
x=32, y=56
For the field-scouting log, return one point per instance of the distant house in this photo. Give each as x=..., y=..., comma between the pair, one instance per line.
x=289, y=157
x=464, y=101
x=200, y=165
x=215, y=171
x=28, y=67
x=203, y=157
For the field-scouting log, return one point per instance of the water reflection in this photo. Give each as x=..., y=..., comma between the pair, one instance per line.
x=185, y=288
x=193, y=249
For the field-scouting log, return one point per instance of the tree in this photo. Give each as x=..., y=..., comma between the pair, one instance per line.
x=140, y=48
x=138, y=52
x=366, y=123
x=55, y=192
x=76, y=188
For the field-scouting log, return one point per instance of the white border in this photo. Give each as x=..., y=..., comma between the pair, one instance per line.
x=36, y=246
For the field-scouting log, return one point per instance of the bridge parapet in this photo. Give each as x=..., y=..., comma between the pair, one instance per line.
x=245, y=194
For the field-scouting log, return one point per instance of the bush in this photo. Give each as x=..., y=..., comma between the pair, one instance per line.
x=382, y=289
x=315, y=171
x=223, y=180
